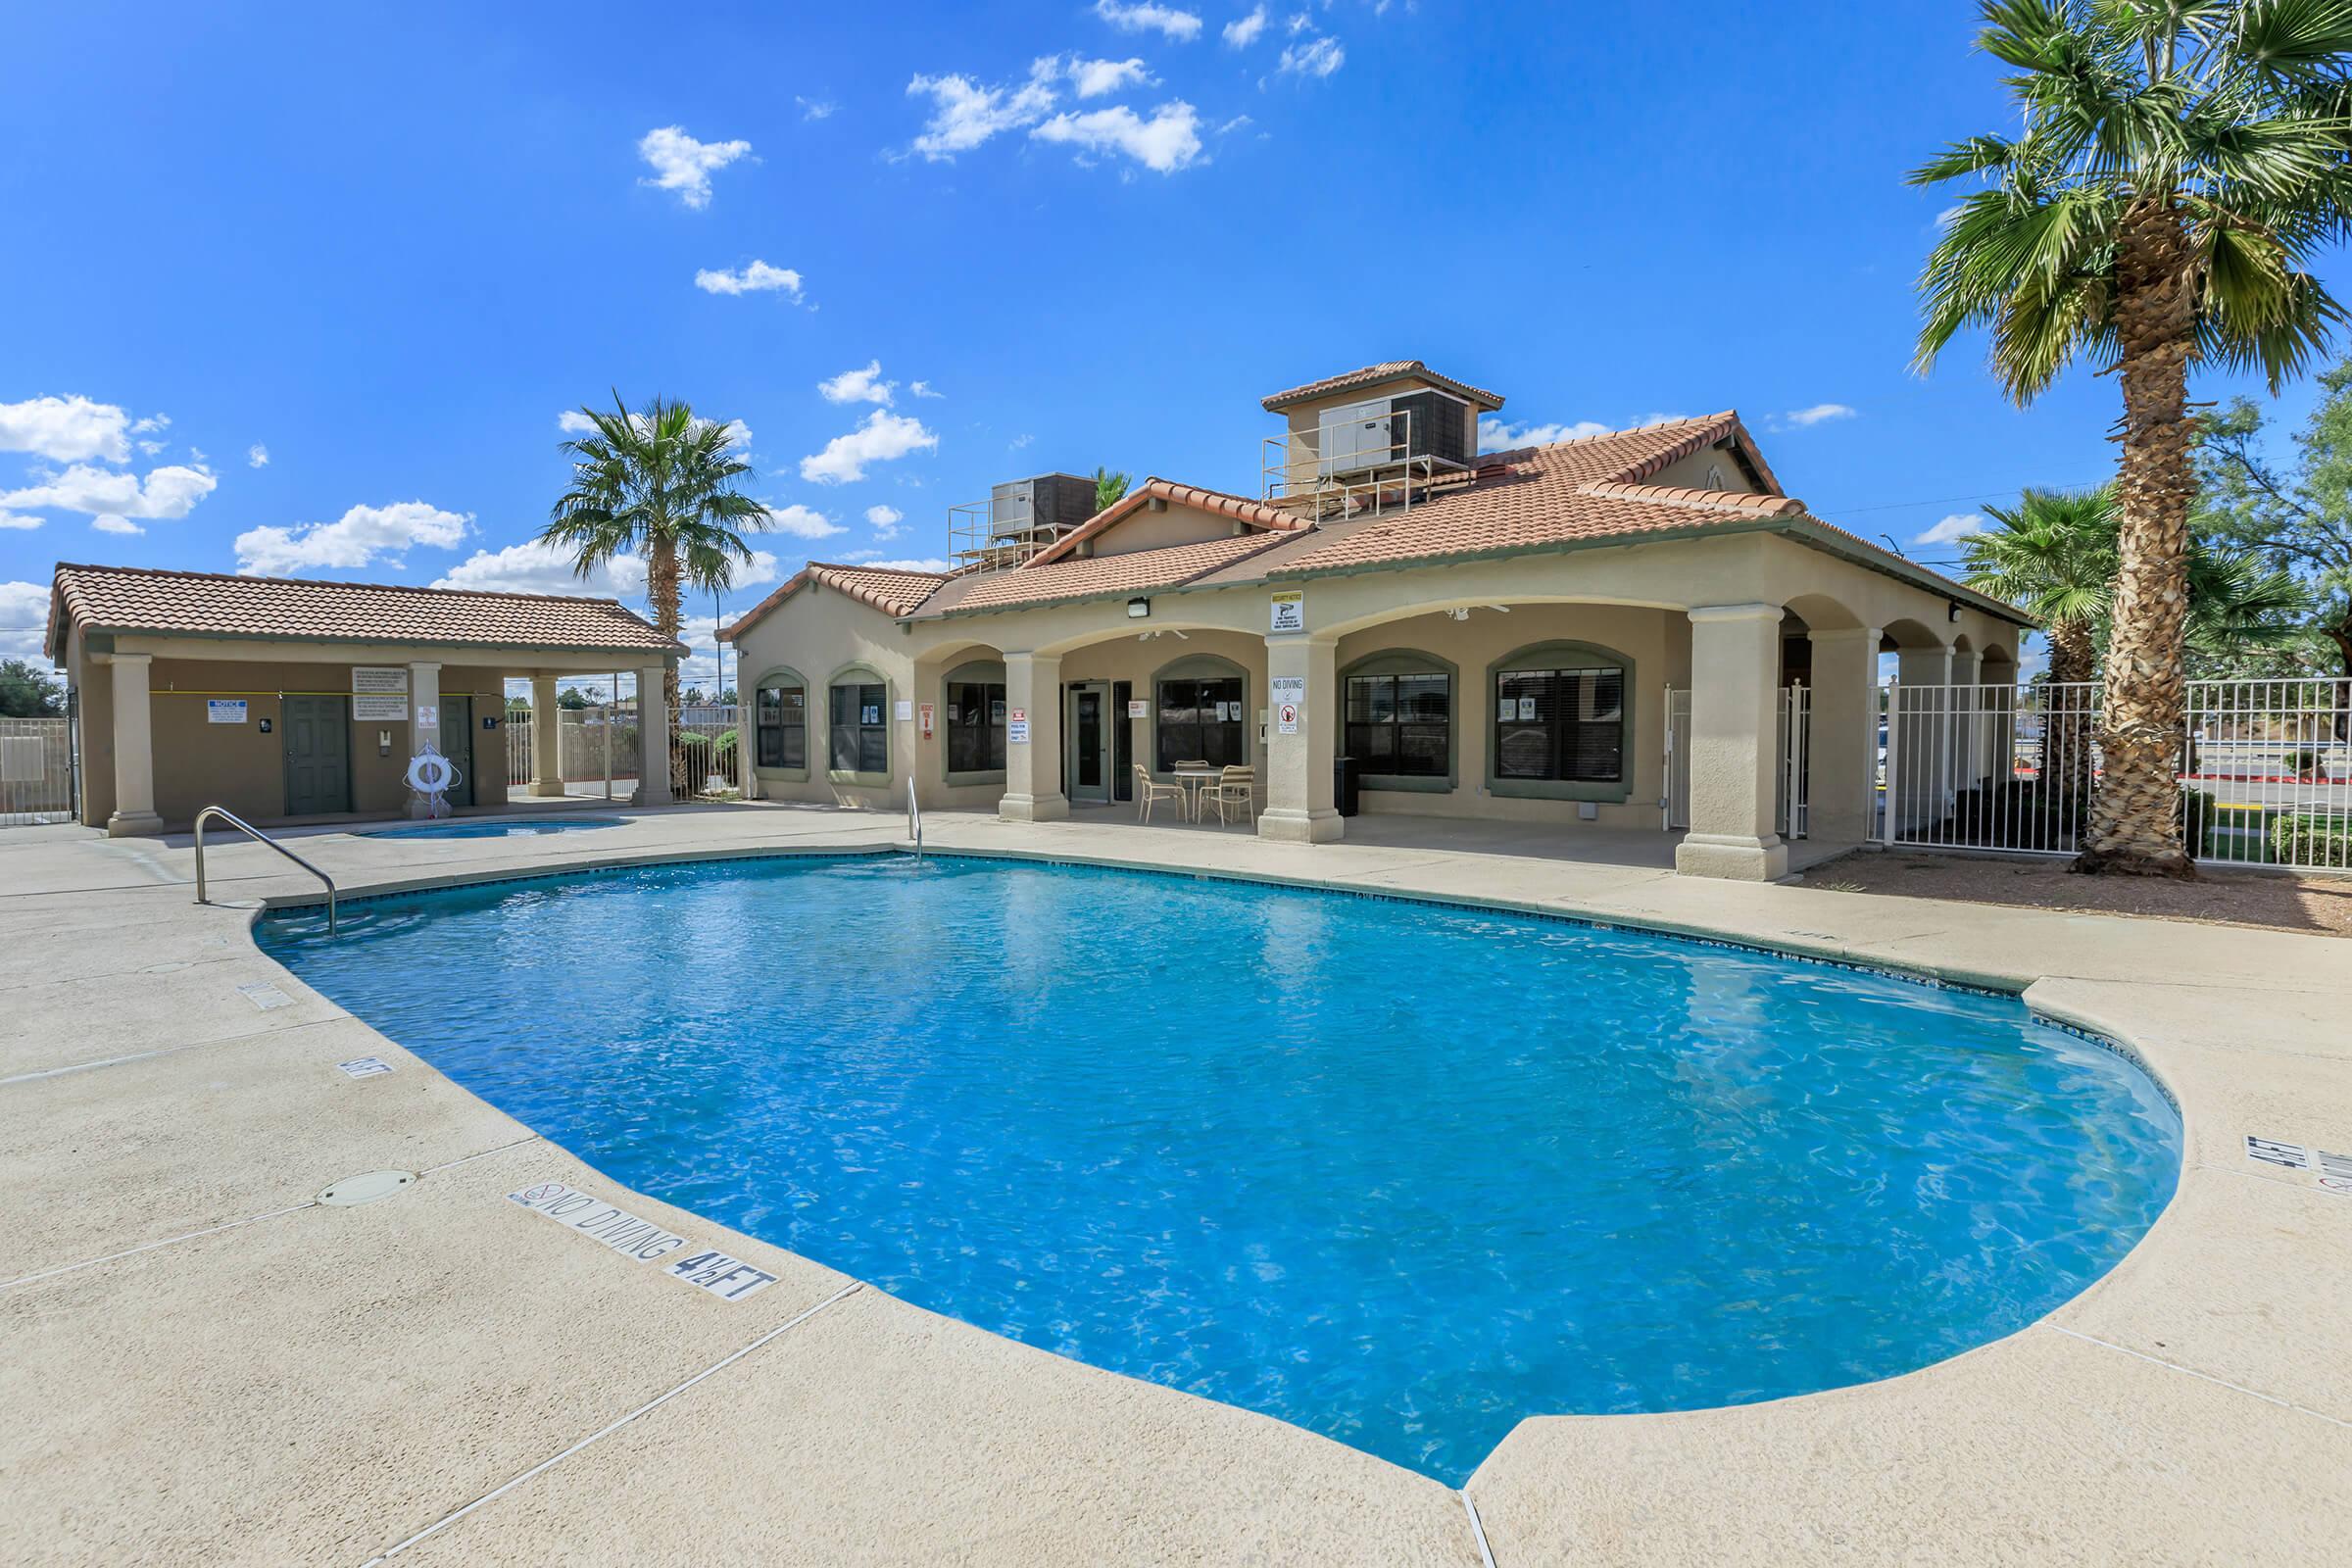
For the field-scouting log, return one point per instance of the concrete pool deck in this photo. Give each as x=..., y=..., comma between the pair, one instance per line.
x=202, y=1362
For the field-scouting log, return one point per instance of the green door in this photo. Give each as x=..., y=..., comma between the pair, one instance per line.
x=318, y=743
x=456, y=743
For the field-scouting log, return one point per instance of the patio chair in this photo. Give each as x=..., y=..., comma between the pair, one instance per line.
x=1148, y=789
x=1236, y=790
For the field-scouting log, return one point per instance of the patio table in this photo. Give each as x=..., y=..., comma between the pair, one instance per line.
x=1194, y=780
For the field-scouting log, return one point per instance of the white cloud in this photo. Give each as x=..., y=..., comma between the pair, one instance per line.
x=533, y=568
x=69, y=429
x=19, y=520
x=354, y=539
x=167, y=493
x=802, y=522
x=816, y=108
x=1019, y=442
x=1179, y=27
x=857, y=386
x=883, y=436
x=684, y=165
x=256, y=455
x=1959, y=525
x=1495, y=436
x=195, y=455
x=574, y=422
x=24, y=619
x=1318, y=58
x=1818, y=413
x=922, y=389
x=1094, y=77
x=965, y=114
x=763, y=569
x=1166, y=142
x=885, y=520
x=1242, y=31
x=757, y=278
x=924, y=563
x=108, y=523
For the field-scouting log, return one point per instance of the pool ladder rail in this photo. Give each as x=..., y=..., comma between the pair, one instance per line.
x=914, y=820
x=255, y=833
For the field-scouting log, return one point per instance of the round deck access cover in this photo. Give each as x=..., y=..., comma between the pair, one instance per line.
x=365, y=1187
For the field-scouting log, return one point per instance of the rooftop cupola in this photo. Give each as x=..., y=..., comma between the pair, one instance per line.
x=1372, y=439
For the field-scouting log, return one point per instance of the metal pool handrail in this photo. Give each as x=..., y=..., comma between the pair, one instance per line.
x=914, y=820
x=255, y=833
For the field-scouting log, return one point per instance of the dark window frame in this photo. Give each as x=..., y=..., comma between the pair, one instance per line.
x=855, y=743
x=780, y=733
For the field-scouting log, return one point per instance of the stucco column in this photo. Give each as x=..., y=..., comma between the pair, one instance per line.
x=424, y=697
x=1735, y=745
x=1033, y=771
x=134, y=750
x=1841, y=772
x=547, y=738
x=652, y=739
x=1298, y=784
x=1919, y=742
x=1968, y=722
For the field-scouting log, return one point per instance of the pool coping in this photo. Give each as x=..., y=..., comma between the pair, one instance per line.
x=1512, y=1516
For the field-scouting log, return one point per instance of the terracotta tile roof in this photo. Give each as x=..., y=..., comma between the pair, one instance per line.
x=1241, y=509
x=889, y=589
x=137, y=599
x=1371, y=375
x=1138, y=571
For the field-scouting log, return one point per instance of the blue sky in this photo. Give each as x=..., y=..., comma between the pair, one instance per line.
x=385, y=251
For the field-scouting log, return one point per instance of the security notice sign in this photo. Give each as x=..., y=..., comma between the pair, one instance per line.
x=379, y=694
x=1290, y=610
x=1290, y=700
x=225, y=711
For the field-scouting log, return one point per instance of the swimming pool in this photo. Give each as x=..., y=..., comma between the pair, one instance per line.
x=1400, y=1173
x=495, y=828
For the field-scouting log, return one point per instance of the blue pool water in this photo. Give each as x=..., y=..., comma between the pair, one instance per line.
x=1399, y=1173
x=495, y=828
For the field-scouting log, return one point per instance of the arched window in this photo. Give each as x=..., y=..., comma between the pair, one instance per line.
x=1560, y=721
x=780, y=720
x=1399, y=719
x=858, y=722
x=975, y=718
x=1202, y=713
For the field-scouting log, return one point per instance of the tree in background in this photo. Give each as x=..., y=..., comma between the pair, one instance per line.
x=1110, y=487
x=2179, y=164
x=662, y=485
x=27, y=690
x=2300, y=518
x=571, y=697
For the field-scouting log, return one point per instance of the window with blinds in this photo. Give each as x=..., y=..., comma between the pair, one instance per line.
x=1561, y=724
x=1401, y=725
x=975, y=727
x=860, y=728
x=780, y=719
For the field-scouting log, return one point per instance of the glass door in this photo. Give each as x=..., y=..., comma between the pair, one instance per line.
x=1090, y=743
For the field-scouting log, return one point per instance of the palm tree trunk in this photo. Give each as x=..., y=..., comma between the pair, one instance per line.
x=2136, y=811
x=2066, y=751
x=661, y=590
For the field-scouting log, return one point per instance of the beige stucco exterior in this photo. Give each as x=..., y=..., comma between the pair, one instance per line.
x=1727, y=616
x=151, y=758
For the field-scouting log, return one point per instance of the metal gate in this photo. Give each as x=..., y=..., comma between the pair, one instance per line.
x=2265, y=771
x=1791, y=812
x=37, y=771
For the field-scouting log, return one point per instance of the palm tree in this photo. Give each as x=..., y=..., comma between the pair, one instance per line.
x=1110, y=487
x=2180, y=164
x=665, y=485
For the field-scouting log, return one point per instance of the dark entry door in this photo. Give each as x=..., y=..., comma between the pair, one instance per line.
x=1089, y=774
x=456, y=743
x=1123, y=742
x=317, y=733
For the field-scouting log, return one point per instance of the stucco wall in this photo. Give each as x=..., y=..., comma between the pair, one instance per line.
x=1146, y=530
x=816, y=634
x=198, y=764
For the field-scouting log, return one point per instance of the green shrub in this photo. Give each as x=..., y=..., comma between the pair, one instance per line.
x=2196, y=818
x=2303, y=765
x=2308, y=838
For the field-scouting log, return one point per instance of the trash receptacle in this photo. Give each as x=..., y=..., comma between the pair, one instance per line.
x=1343, y=787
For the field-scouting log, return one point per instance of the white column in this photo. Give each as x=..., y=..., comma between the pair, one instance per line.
x=1298, y=785
x=1841, y=772
x=547, y=738
x=1032, y=772
x=1735, y=745
x=1968, y=729
x=652, y=739
x=134, y=750
x=424, y=699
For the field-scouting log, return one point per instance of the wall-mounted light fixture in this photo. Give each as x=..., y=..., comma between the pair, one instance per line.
x=1951, y=609
x=1138, y=609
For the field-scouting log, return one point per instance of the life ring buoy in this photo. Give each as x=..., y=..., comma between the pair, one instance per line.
x=431, y=773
